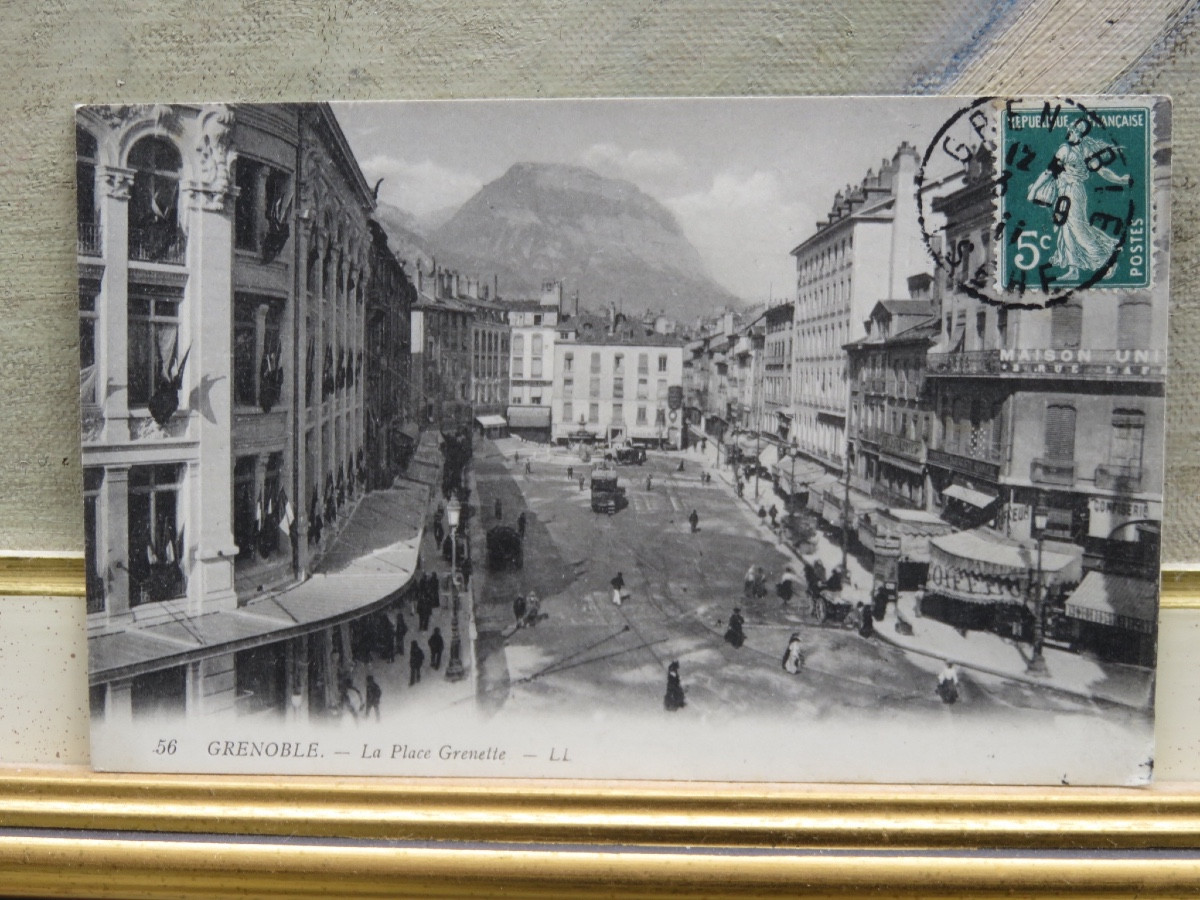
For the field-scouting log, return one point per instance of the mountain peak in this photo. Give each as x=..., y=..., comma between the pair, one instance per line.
x=602, y=236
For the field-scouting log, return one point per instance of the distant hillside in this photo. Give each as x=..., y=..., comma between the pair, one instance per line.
x=404, y=233
x=601, y=236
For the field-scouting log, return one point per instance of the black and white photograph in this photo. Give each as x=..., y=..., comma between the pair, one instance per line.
x=781, y=439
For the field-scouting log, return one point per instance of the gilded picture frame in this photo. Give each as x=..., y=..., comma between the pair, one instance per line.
x=65, y=831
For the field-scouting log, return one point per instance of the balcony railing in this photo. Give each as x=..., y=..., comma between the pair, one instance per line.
x=1119, y=477
x=1078, y=363
x=88, y=238
x=158, y=244
x=984, y=465
x=901, y=446
x=1052, y=471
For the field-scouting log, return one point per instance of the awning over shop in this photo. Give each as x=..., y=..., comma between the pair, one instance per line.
x=979, y=567
x=769, y=456
x=817, y=489
x=804, y=475
x=1116, y=600
x=371, y=560
x=912, y=527
x=968, y=495
x=410, y=430
x=529, y=416
x=426, y=463
x=491, y=421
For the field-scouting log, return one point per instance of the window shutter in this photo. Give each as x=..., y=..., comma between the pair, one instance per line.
x=1066, y=325
x=1133, y=325
x=1060, y=432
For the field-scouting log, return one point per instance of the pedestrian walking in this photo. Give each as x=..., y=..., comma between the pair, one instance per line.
x=534, y=611
x=424, y=611
x=734, y=635
x=740, y=488
x=521, y=525
x=680, y=469
x=673, y=700
x=499, y=507
x=416, y=659
x=570, y=473
x=867, y=627
x=793, y=656
x=439, y=533
x=374, y=695
x=349, y=699
x=466, y=568
x=519, y=607
x=947, y=684
x=773, y=512
x=437, y=644
x=762, y=514
x=401, y=632
x=618, y=589
x=694, y=521
x=581, y=482
x=528, y=467
x=649, y=483
x=748, y=582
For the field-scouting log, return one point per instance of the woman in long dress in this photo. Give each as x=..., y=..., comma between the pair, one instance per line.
x=1063, y=188
x=793, y=656
x=673, y=699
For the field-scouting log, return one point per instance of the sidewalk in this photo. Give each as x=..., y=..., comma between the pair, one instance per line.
x=827, y=551
x=982, y=651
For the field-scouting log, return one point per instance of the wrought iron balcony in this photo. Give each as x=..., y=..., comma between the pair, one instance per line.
x=979, y=464
x=1052, y=471
x=906, y=448
x=88, y=238
x=158, y=244
x=1118, y=477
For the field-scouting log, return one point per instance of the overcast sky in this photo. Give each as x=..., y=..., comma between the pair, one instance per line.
x=746, y=179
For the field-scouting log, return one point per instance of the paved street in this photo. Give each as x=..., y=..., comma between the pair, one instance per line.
x=588, y=654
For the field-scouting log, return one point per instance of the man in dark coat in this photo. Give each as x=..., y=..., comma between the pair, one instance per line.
x=436, y=645
x=521, y=524
x=466, y=568
x=424, y=611
x=374, y=695
x=694, y=521
x=519, y=608
x=401, y=632
x=416, y=659
x=673, y=700
x=734, y=635
x=439, y=533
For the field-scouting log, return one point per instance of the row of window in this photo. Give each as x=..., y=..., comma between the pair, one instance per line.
x=618, y=414
x=643, y=363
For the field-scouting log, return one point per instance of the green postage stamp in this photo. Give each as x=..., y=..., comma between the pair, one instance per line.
x=1075, y=196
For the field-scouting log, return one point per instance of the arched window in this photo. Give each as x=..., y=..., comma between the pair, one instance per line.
x=154, y=233
x=536, y=345
x=85, y=193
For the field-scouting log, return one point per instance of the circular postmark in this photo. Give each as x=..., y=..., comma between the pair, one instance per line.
x=1025, y=202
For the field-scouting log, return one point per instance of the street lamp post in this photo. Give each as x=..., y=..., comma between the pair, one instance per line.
x=454, y=669
x=1037, y=662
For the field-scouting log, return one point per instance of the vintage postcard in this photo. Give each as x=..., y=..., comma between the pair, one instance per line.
x=783, y=439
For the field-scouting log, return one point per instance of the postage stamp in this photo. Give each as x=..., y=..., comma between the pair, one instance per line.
x=780, y=439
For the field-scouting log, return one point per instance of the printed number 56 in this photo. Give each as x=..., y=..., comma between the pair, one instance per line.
x=165, y=747
x=1035, y=244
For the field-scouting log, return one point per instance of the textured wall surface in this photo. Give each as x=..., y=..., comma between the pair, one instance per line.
x=56, y=54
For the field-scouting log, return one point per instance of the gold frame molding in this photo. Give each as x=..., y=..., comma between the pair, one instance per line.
x=70, y=832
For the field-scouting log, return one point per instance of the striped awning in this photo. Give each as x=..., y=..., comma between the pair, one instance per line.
x=1117, y=601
